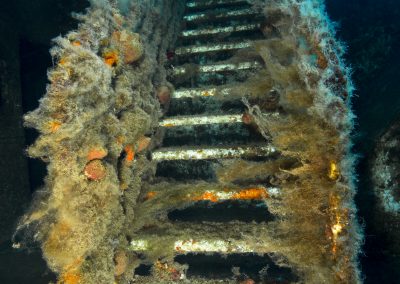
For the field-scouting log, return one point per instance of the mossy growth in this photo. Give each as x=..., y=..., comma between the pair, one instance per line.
x=99, y=105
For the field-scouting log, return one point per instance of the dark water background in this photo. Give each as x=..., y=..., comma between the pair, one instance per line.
x=371, y=29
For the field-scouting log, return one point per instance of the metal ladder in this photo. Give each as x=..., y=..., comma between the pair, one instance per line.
x=200, y=210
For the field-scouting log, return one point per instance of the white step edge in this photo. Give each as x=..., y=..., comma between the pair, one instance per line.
x=219, y=67
x=196, y=92
x=219, y=30
x=195, y=49
x=218, y=16
x=167, y=154
x=203, y=246
x=200, y=120
x=208, y=3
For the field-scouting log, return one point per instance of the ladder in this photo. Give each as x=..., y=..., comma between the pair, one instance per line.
x=214, y=211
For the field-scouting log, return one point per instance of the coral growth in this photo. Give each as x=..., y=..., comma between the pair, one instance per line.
x=304, y=65
x=99, y=106
x=130, y=45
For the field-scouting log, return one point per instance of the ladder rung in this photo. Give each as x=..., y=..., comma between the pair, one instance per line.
x=192, y=93
x=209, y=119
x=214, y=193
x=181, y=190
x=207, y=16
x=200, y=120
x=219, y=67
x=204, y=246
x=213, y=153
x=212, y=3
x=195, y=49
x=220, y=246
x=219, y=30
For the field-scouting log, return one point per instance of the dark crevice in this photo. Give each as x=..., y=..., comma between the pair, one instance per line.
x=209, y=105
x=211, y=135
x=260, y=268
x=143, y=270
x=225, y=211
x=186, y=170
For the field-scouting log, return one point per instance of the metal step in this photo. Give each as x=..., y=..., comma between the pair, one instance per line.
x=209, y=191
x=219, y=47
x=209, y=119
x=218, y=67
x=201, y=92
x=213, y=16
x=204, y=245
x=179, y=204
x=196, y=153
x=207, y=4
x=219, y=30
x=200, y=120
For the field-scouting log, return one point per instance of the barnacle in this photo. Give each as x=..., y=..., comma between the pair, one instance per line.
x=129, y=44
x=143, y=143
x=95, y=170
x=164, y=95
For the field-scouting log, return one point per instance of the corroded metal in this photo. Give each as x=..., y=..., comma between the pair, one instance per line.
x=195, y=49
x=219, y=67
x=199, y=120
x=204, y=246
x=213, y=153
x=208, y=3
x=207, y=119
x=219, y=30
x=203, y=92
x=207, y=16
x=220, y=246
x=192, y=192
